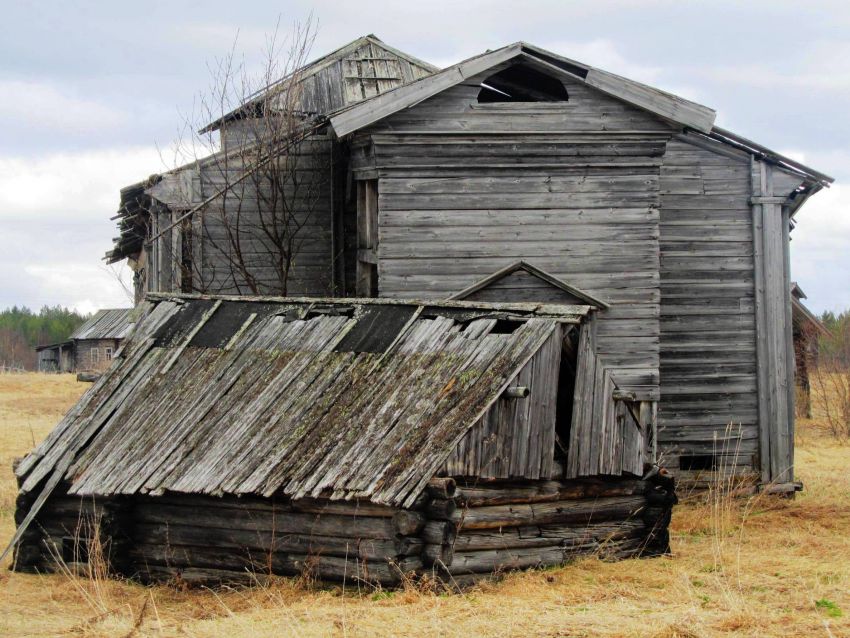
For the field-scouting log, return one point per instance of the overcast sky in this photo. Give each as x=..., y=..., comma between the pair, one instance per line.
x=89, y=91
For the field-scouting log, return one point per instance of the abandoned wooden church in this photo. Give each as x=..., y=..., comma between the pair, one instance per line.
x=412, y=320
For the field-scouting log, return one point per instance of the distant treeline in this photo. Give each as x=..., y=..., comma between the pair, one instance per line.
x=836, y=347
x=21, y=330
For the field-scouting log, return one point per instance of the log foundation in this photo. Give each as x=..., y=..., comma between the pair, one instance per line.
x=460, y=532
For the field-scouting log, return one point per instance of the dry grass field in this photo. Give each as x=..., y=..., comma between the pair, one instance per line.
x=762, y=566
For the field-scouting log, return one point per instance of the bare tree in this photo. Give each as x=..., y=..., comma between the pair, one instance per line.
x=260, y=175
x=830, y=382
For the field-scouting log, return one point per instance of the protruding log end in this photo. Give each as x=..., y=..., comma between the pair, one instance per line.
x=516, y=392
x=408, y=523
x=442, y=487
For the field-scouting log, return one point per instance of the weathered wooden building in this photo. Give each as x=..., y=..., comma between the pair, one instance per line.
x=371, y=439
x=807, y=330
x=514, y=183
x=90, y=347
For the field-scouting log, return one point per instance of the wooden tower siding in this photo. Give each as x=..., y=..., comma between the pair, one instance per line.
x=355, y=72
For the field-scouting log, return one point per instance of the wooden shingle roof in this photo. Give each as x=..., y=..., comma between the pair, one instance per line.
x=338, y=398
x=112, y=323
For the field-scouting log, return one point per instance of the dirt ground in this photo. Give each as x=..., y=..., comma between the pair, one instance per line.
x=760, y=566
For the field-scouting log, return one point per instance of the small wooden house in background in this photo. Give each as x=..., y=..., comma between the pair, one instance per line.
x=90, y=347
x=428, y=181
x=516, y=191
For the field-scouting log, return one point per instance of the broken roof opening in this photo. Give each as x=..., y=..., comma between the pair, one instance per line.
x=521, y=83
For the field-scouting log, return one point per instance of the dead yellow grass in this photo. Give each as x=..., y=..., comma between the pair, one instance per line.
x=757, y=567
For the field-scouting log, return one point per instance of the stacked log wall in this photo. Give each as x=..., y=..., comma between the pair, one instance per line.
x=496, y=526
x=457, y=534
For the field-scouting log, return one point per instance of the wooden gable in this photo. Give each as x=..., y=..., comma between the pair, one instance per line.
x=524, y=282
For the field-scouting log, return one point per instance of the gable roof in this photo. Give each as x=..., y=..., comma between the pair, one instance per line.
x=536, y=272
x=300, y=397
x=661, y=103
x=112, y=323
x=675, y=109
x=800, y=315
x=373, y=69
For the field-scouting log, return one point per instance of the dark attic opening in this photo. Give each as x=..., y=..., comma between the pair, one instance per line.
x=520, y=83
x=566, y=390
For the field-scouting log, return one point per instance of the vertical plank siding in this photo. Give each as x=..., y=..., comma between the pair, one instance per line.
x=775, y=356
x=515, y=437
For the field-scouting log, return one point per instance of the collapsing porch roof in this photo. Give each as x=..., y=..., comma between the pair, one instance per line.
x=335, y=398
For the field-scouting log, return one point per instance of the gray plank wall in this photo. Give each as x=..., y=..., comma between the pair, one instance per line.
x=516, y=437
x=309, y=206
x=710, y=388
x=708, y=345
x=467, y=188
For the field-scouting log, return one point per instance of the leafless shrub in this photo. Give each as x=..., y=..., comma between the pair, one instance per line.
x=255, y=174
x=830, y=382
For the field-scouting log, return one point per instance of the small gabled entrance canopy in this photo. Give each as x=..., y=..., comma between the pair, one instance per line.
x=520, y=282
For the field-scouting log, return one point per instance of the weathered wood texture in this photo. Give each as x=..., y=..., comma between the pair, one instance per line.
x=523, y=286
x=480, y=529
x=94, y=354
x=500, y=526
x=516, y=436
x=726, y=362
x=244, y=234
x=467, y=188
x=708, y=339
x=160, y=538
x=773, y=319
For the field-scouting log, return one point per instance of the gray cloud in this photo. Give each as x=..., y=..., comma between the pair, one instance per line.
x=88, y=90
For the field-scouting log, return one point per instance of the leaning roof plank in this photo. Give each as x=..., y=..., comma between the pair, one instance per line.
x=335, y=398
